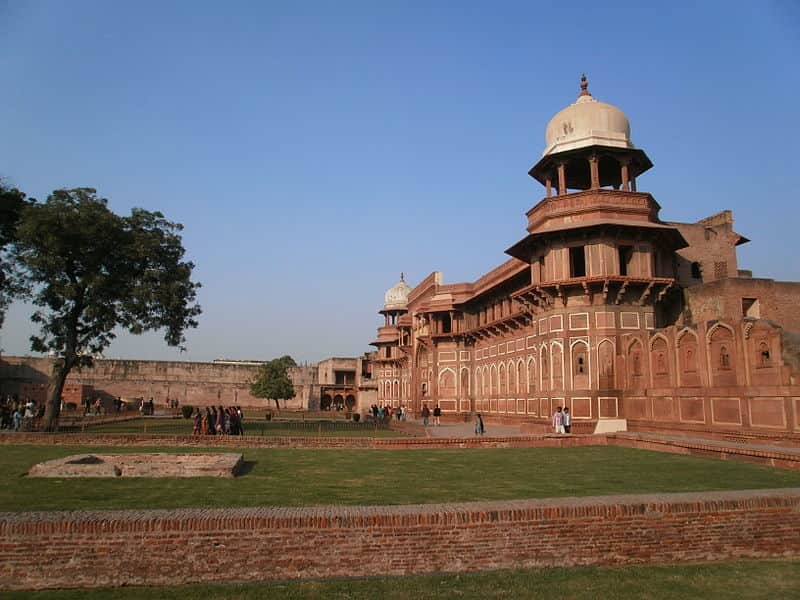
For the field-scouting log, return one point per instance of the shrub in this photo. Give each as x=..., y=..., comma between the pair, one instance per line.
x=187, y=411
x=356, y=417
x=268, y=416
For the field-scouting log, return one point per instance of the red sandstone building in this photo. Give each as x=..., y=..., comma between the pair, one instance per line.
x=602, y=307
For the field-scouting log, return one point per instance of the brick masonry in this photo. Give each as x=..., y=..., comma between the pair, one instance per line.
x=160, y=547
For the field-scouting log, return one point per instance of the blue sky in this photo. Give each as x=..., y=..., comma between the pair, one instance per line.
x=314, y=151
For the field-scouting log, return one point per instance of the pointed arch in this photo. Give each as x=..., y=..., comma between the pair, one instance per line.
x=533, y=381
x=446, y=383
x=557, y=365
x=660, y=361
x=544, y=368
x=464, y=382
x=688, y=361
x=579, y=362
x=501, y=379
x=605, y=364
x=521, y=384
x=721, y=347
x=635, y=364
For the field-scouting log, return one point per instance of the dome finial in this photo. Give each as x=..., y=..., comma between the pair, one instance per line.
x=402, y=277
x=584, y=86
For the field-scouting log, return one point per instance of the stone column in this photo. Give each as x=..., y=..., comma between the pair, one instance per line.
x=549, y=187
x=562, y=179
x=594, y=170
x=624, y=175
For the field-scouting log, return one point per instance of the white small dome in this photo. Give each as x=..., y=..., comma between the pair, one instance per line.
x=397, y=297
x=585, y=123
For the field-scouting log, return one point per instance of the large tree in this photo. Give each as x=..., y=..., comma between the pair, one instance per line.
x=12, y=201
x=92, y=271
x=272, y=380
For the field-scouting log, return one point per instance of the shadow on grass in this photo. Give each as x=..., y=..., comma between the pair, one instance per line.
x=246, y=468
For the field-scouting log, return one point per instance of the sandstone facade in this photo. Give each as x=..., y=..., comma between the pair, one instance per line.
x=603, y=308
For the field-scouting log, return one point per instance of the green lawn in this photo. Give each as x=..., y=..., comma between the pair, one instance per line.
x=295, y=477
x=765, y=580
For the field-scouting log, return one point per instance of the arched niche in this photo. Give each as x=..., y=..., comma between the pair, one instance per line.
x=688, y=359
x=722, y=355
x=557, y=366
x=605, y=366
x=580, y=365
x=532, y=379
x=544, y=369
x=521, y=385
x=447, y=383
x=464, y=382
x=635, y=365
x=660, y=362
x=501, y=380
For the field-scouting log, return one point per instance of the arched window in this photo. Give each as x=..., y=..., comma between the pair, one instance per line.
x=531, y=377
x=724, y=358
x=763, y=355
x=544, y=369
x=579, y=366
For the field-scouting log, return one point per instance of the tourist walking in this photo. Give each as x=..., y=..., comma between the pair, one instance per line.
x=558, y=421
x=479, y=429
x=426, y=414
x=566, y=419
x=437, y=416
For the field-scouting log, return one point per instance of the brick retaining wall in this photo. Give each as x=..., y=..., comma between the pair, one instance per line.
x=161, y=547
x=725, y=451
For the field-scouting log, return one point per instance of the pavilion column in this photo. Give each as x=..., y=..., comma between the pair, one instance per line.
x=549, y=187
x=625, y=176
x=633, y=184
x=594, y=169
x=562, y=179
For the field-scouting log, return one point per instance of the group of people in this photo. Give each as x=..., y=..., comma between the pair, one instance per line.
x=385, y=413
x=562, y=420
x=17, y=414
x=426, y=415
x=218, y=421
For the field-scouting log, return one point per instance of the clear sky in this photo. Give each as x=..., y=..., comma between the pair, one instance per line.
x=314, y=150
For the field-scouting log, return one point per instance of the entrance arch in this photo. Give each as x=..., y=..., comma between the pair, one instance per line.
x=325, y=403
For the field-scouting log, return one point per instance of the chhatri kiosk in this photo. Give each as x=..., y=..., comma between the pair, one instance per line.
x=628, y=320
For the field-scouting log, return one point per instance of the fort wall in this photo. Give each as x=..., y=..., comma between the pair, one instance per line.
x=192, y=383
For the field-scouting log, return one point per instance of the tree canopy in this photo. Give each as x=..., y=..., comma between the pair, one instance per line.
x=12, y=201
x=272, y=380
x=91, y=271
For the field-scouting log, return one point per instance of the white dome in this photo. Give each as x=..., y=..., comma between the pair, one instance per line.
x=397, y=297
x=587, y=122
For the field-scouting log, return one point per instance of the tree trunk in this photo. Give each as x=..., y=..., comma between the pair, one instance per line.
x=54, y=389
x=277, y=405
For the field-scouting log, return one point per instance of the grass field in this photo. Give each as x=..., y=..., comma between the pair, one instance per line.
x=725, y=581
x=295, y=477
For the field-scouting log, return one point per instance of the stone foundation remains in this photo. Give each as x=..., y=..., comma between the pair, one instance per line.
x=141, y=465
